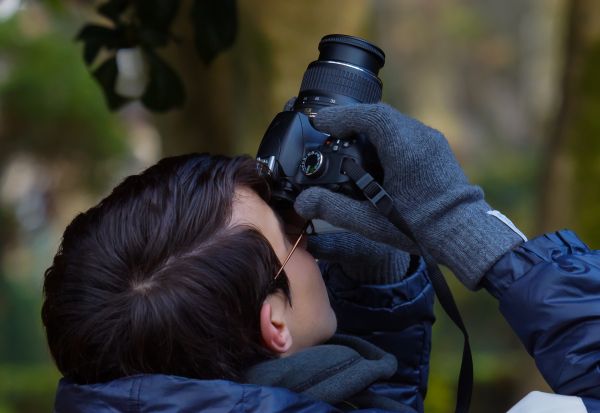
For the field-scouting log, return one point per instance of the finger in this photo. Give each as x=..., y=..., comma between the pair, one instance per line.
x=344, y=212
x=344, y=121
x=321, y=203
x=360, y=258
x=349, y=246
x=384, y=126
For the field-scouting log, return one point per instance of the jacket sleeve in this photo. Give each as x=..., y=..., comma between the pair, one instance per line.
x=549, y=292
x=395, y=317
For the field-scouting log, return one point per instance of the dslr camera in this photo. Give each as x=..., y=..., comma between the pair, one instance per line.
x=299, y=156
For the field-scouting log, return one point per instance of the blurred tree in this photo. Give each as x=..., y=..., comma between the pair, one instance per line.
x=50, y=106
x=56, y=136
x=570, y=194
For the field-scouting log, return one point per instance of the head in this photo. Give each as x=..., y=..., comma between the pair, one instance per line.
x=174, y=273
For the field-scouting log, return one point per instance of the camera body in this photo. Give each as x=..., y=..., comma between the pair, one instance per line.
x=298, y=155
x=301, y=156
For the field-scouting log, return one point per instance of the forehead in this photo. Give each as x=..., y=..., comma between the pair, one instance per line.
x=250, y=209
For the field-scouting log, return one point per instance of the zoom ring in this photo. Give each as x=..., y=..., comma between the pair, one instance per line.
x=337, y=79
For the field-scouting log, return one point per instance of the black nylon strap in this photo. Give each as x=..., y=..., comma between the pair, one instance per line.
x=385, y=205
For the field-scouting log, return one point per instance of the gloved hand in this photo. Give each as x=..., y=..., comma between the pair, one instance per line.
x=448, y=216
x=361, y=259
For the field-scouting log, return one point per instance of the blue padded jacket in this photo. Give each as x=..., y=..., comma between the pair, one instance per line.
x=549, y=292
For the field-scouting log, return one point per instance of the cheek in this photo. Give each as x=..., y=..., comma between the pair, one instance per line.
x=309, y=294
x=313, y=320
x=304, y=273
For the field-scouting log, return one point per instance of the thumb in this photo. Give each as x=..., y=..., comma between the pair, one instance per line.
x=383, y=125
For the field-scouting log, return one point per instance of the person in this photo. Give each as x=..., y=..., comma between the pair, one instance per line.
x=184, y=291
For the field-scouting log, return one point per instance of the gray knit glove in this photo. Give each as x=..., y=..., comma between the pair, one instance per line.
x=448, y=216
x=361, y=259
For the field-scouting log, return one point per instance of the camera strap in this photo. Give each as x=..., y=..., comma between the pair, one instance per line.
x=384, y=203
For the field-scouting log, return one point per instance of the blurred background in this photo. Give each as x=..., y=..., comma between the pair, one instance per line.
x=514, y=86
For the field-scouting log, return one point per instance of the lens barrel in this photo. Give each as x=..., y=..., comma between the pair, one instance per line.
x=352, y=50
x=345, y=73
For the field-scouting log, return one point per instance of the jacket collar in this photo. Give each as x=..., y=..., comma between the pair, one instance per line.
x=172, y=394
x=333, y=372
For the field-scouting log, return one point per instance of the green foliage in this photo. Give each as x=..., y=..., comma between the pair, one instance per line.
x=51, y=106
x=55, y=5
x=146, y=24
x=27, y=388
x=155, y=14
x=112, y=9
x=95, y=37
x=106, y=75
x=165, y=90
x=584, y=139
x=215, y=26
x=22, y=340
x=509, y=185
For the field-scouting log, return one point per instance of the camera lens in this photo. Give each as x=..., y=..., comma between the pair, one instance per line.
x=345, y=73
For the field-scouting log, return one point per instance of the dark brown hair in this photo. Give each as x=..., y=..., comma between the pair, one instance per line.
x=154, y=280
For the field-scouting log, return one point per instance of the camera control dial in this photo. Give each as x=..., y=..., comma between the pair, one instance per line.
x=312, y=164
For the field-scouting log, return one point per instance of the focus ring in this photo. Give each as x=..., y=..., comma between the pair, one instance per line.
x=341, y=80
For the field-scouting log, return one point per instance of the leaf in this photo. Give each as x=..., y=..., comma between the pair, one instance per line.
x=153, y=38
x=95, y=32
x=157, y=14
x=106, y=75
x=215, y=26
x=95, y=37
x=165, y=89
x=90, y=51
x=113, y=9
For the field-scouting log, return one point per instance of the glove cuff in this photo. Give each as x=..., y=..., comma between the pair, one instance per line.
x=473, y=238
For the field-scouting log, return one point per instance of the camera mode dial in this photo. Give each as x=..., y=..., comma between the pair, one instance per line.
x=312, y=164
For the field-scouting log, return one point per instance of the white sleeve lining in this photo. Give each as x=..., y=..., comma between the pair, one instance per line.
x=539, y=402
x=508, y=222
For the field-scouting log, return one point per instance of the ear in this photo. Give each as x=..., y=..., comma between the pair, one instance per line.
x=274, y=330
